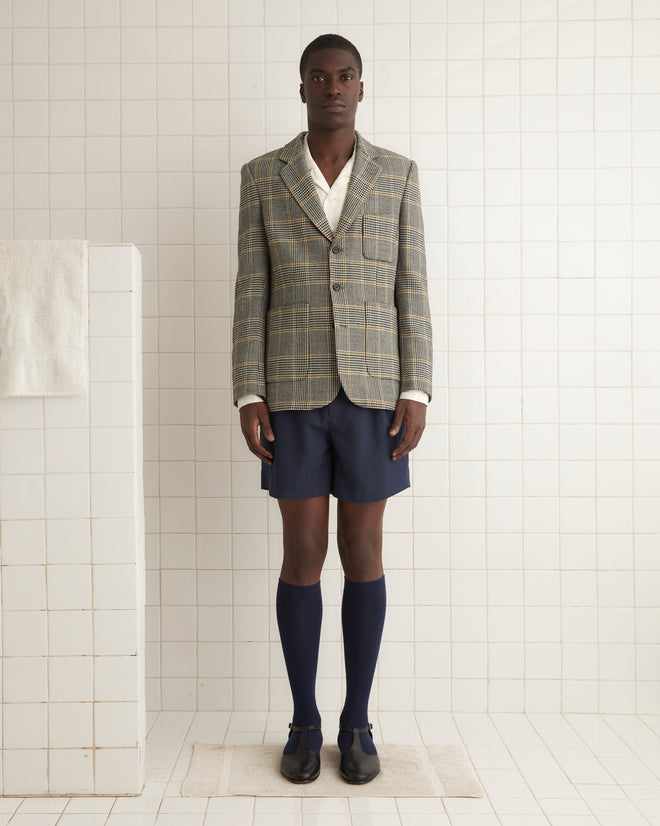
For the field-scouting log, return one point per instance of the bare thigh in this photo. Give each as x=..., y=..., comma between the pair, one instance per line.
x=360, y=539
x=305, y=539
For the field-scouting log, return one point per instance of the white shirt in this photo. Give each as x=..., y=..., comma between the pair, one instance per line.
x=332, y=200
x=331, y=197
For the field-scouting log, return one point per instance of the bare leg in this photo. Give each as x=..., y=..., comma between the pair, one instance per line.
x=360, y=539
x=305, y=527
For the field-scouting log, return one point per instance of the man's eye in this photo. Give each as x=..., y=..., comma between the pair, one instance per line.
x=348, y=77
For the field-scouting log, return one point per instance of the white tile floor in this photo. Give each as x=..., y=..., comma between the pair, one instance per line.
x=564, y=770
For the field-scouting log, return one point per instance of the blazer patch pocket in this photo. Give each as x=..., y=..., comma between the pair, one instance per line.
x=287, y=343
x=380, y=237
x=382, y=341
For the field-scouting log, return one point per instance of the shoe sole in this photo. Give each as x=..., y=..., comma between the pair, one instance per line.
x=307, y=780
x=355, y=782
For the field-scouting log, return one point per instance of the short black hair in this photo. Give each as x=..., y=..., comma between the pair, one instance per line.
x=329, y=41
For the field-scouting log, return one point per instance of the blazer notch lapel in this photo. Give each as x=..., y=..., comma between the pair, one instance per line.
x=301, y=186
x=364, y=175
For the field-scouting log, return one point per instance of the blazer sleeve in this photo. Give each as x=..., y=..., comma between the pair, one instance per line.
x=251, y=294
x=411, y=293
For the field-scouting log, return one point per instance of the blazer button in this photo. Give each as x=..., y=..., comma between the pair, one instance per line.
x=336, y=250
x=336, y=287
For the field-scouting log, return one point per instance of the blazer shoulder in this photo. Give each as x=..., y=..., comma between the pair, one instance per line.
x=391, y=162
x=264, y=166
x=272, y=161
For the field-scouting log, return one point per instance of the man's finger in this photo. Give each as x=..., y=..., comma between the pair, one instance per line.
x=405, y=447
x=262, y=454
x=266, y=429
x=253, y=416
x=408, y=444
x=414, y=415
x=398, y=418
x=257, y=448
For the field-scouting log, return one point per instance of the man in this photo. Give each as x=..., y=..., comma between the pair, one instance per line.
x=332, y=363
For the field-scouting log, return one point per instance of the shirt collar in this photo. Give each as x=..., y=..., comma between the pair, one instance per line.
x=317, y=175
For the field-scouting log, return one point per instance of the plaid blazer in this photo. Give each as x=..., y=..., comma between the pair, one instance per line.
x=316, y=310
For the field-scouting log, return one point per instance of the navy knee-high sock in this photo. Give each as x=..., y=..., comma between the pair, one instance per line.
x=362, y=617
x=299, y=613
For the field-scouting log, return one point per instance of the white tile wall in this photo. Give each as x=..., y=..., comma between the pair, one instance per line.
x=522, y=567
x=72, y=552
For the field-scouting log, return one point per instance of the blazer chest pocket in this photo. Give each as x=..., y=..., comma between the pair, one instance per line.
x=380, y=237
x=287, y=343
x=382, y=341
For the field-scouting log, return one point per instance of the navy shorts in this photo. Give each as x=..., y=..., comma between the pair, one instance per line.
x=340, y=449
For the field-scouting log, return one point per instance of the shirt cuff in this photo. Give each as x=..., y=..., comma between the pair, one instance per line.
x=413, y=395
x=250, y=399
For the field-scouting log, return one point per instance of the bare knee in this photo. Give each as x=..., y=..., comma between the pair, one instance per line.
x=360, y=539
x=360, y=550
x=304, y=555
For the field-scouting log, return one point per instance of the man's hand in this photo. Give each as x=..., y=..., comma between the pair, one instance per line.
x=414, y=415
x=252, y=416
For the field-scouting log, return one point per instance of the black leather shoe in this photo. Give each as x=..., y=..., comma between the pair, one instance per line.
x=355, y=766
x=303, y=765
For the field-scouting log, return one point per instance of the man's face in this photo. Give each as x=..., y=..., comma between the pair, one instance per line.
x=331, y=89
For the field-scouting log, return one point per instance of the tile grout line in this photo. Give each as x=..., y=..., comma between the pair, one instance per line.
x=550, y=748
x=602, y=718
x=524, y=716
x=633, y=520
x=605, y=719
x=486, y=716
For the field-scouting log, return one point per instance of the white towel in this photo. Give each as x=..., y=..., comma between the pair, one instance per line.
x=43, y=318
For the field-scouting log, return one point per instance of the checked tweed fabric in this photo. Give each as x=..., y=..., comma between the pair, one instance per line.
x=316, y=310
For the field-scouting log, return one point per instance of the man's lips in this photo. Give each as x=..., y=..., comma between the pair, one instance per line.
x=334, y=107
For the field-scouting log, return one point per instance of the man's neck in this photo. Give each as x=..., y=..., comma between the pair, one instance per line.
x=333, y=148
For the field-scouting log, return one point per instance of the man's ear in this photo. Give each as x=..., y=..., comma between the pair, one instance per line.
x=361, y=95
x=302, y=93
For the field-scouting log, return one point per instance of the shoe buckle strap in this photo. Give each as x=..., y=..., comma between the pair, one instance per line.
x=368, y=728
x=316, y=727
